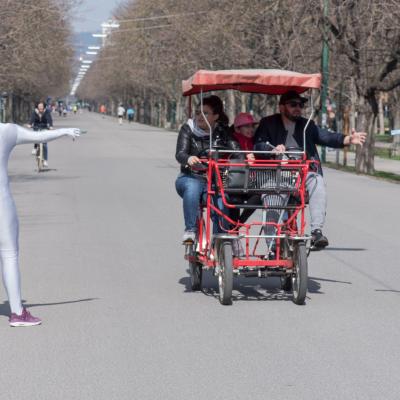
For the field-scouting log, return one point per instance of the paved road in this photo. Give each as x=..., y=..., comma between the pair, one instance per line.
x=102, y=265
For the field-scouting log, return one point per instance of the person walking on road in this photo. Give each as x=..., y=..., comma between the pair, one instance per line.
x=121, y=113
x=103, y=110
x=130, y=113
x=10, y=136
x=285, y=130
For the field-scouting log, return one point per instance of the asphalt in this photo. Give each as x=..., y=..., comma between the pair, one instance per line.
x=103, y=266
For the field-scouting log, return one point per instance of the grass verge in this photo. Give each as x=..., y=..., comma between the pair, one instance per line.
x=387, y=176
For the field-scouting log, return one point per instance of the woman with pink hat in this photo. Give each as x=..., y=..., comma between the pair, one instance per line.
x=244, y=128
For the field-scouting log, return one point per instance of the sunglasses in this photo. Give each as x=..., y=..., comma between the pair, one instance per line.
x=295, y=104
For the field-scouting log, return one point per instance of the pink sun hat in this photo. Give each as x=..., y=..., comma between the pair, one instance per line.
x=244, y=119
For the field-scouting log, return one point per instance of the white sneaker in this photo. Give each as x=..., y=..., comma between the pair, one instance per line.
x=189, y=236
x=45, y=163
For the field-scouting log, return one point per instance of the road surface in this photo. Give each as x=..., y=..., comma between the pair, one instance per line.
x=102, y=264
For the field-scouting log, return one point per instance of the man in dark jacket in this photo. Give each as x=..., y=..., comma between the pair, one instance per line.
x=285, y=130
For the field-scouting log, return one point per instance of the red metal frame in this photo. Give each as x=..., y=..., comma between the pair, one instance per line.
x=252, y=260
x=251, y=81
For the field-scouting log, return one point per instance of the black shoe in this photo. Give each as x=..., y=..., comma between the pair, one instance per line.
x=318, y=240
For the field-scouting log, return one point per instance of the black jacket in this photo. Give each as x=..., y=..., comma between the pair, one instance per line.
x=189, y=144
x=271, y=129
x=43, y=121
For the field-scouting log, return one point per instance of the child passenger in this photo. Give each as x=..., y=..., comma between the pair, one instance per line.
x=244, y=128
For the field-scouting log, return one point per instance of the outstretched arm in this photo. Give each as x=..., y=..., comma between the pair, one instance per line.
x=25, y=136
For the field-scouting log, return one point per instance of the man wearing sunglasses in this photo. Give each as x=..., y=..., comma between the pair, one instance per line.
x=284, y=131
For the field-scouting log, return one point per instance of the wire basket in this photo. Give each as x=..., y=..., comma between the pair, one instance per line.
x=260, y=179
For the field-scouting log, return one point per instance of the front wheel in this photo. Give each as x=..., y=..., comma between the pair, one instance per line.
x=39, y=157
x=195, y=268
x=300, y=273
x=225, y=275
x=196, y=274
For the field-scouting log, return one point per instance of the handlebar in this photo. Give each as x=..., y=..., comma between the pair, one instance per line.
x=202, y=166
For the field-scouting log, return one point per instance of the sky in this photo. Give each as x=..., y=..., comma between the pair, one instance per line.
x=92, y=13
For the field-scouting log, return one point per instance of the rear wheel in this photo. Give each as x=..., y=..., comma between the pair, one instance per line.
x=225, y=275
x=300, y=273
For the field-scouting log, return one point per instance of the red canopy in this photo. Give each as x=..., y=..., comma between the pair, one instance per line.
x=267, y=81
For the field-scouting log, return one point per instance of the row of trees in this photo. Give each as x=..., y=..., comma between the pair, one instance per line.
x=161, y=42
x=35, y=52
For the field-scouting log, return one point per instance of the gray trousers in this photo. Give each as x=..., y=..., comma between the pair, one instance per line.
x=315, y=186
x=317, y=199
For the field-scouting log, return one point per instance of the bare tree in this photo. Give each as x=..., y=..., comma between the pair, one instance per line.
x=35, y=49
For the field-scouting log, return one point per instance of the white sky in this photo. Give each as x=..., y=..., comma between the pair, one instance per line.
x=89, y=16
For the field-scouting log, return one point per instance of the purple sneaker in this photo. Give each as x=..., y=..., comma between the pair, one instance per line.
x=25, y=319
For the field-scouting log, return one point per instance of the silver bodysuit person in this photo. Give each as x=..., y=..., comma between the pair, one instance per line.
x=10, y=136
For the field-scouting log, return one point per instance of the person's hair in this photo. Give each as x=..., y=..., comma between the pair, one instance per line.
x=41, y=102
x=215, y=103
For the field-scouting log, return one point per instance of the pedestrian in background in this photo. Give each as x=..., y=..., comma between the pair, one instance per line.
x=130, y=113
x=103, y=110
x=121, y=113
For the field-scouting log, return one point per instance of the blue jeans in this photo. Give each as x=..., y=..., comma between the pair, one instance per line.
x=193, y=191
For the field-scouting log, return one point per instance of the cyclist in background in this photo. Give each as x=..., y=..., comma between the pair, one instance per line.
x=41, y=119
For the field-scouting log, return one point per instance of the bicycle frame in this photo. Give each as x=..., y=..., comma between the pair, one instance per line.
x=280, y=185
x=290, y=230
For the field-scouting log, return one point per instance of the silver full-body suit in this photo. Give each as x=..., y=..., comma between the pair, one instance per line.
x=10, y=136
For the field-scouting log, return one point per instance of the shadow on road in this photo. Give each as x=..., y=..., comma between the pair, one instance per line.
x=387, y=290
x=253, y=289
x=5, y=307
x=344, y=249
x=35, y=177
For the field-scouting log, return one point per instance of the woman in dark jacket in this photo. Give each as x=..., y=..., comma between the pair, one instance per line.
x=193, y=143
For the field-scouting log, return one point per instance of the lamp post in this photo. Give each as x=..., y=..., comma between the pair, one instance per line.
x=325, y=78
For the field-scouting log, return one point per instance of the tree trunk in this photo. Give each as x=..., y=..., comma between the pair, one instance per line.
x=396, y=138
x=230, y=106
x=365, y=123
x=178, y=112
x=381, y=118
x=346, y=131
x=243, y=102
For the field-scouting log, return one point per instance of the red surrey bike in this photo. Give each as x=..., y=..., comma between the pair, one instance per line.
x=274, y=244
